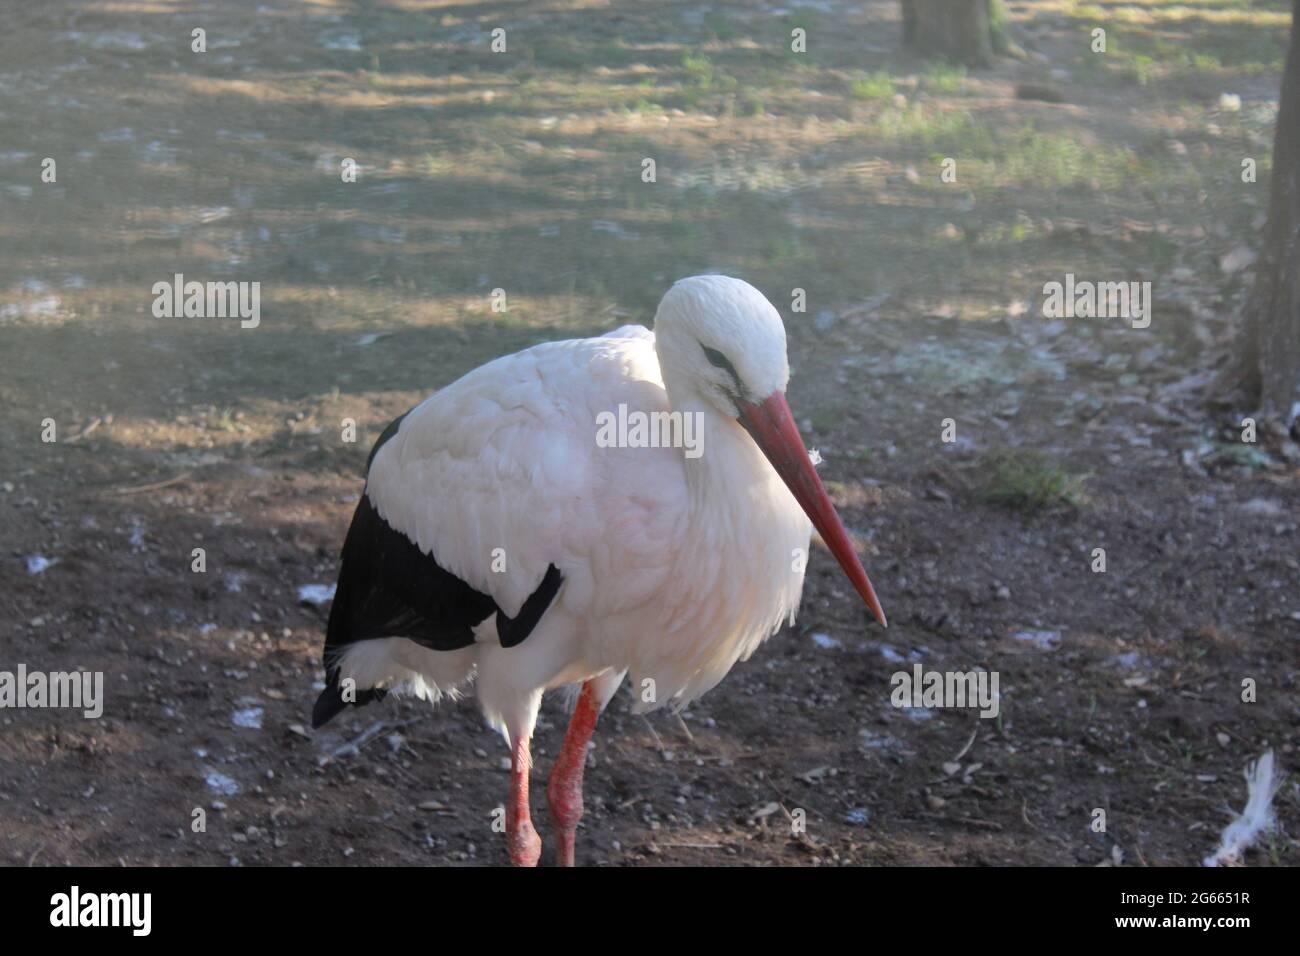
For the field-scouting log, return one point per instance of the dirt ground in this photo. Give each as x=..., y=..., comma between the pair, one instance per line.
x=1120, y=690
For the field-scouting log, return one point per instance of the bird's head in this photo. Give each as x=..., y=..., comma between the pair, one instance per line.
x=720, y=342
x=720, y=338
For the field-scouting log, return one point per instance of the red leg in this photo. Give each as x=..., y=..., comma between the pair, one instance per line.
x=522, y=841
x=564, y=790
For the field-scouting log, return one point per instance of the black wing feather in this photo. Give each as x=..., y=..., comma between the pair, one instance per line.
x=388, y=587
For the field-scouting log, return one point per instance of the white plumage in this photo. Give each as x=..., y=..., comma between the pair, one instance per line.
x=674, y=567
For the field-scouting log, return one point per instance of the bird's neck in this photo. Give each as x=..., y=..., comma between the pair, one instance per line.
x=725, y=464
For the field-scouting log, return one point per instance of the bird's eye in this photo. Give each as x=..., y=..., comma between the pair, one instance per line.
x=718, y=360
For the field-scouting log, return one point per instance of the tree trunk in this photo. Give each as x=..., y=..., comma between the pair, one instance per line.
x=1268, y=352
x=958, y=30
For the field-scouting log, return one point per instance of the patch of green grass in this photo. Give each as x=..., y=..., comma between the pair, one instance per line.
x=646, y=107
x=872, y=86
x=703, y=78
x=1159, y=42
x=1031, y=156
x=943, y=77
x=225, y=421
x=994, y=154
x=647, y=102
x=746, y=102
x=1137, y=67
x=947, y=132
x=1007, y=233
x=705, y=83
x=699, y=71
x=1029, y=481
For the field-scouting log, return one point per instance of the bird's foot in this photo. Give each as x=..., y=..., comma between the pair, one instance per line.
x=524, y=844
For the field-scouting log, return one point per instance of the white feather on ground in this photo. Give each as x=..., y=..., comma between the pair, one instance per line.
x=1262, y=782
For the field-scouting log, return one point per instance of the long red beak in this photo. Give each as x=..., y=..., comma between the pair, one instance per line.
x=772, y=427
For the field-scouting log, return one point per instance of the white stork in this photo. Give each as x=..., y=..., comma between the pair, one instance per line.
x=498, y=540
